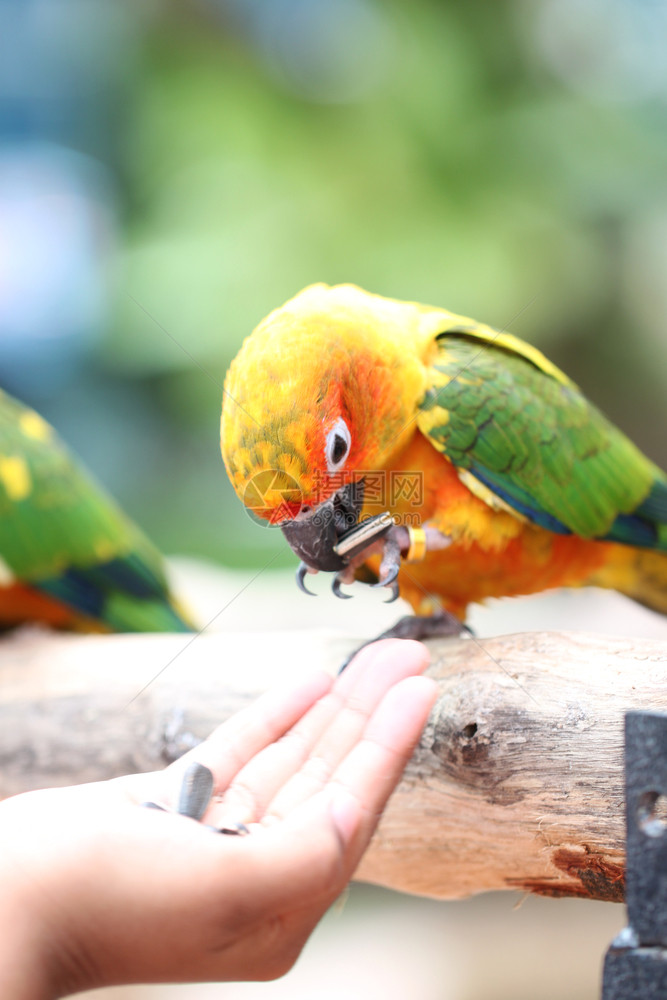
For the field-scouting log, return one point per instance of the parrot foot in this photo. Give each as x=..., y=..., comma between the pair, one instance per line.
x=439, y=625
x=419, y=627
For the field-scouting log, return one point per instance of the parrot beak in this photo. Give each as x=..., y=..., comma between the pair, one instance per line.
x=314, y=533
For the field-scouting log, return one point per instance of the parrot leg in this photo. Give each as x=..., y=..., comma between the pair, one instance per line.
x=396, y=546
x=439, y=625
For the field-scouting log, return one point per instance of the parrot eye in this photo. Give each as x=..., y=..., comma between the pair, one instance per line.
x=337, y=445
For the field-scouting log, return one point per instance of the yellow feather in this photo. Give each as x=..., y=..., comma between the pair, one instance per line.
x=15, y=476
x=485, y=494
x=33, y=426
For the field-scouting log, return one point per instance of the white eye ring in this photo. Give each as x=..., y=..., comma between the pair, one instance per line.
x=337, y=447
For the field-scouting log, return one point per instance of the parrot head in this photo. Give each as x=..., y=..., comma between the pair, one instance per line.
x=323, y=392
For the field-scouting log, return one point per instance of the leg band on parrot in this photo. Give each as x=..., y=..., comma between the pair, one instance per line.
x=417, y=548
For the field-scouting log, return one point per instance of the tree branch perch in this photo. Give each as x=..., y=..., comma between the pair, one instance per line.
x=517, y=784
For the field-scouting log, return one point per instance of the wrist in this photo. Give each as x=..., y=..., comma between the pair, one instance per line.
x=34, y=957
x=25, y=972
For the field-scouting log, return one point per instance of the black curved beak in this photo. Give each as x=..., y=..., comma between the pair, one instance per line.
x=314, y=534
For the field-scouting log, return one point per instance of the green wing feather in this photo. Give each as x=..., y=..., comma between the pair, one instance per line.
x=61, y=534
x=539, y=446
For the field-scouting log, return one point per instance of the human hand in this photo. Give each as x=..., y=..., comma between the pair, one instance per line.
x=97, y=892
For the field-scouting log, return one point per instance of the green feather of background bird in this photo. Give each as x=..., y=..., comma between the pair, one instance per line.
x=69, y=557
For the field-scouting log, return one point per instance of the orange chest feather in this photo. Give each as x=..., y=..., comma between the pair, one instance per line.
x=422, y=485
x=492, y=553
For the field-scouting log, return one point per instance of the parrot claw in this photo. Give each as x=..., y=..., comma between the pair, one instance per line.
x=389, y=568
x=390, y=581
x=336, y=587
x=387, y=580
x=300, y=578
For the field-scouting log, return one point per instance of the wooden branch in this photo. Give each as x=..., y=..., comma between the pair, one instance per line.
x=518, y=782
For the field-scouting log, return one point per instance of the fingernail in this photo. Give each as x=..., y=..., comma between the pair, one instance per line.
x=345, y=812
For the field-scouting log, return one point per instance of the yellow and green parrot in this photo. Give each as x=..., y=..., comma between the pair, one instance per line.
x=399, y=442
x=69, y=557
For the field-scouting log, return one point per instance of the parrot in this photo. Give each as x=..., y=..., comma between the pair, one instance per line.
x=405, y=446
x=69, y=557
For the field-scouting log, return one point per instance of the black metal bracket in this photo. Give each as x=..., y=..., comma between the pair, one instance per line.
x=635, y=966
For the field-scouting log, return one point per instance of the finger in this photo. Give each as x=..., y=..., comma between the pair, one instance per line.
x=245, y=734
x=240, y=737
x=391, y=662
x=310, y=857
x=370, y=772
x=301, y=764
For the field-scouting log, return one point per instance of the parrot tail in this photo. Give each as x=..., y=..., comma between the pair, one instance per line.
x=638, y=573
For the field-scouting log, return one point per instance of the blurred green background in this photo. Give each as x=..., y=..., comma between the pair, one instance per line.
x=172, y=171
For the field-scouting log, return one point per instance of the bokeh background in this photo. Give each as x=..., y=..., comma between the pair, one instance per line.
x=171, y=171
